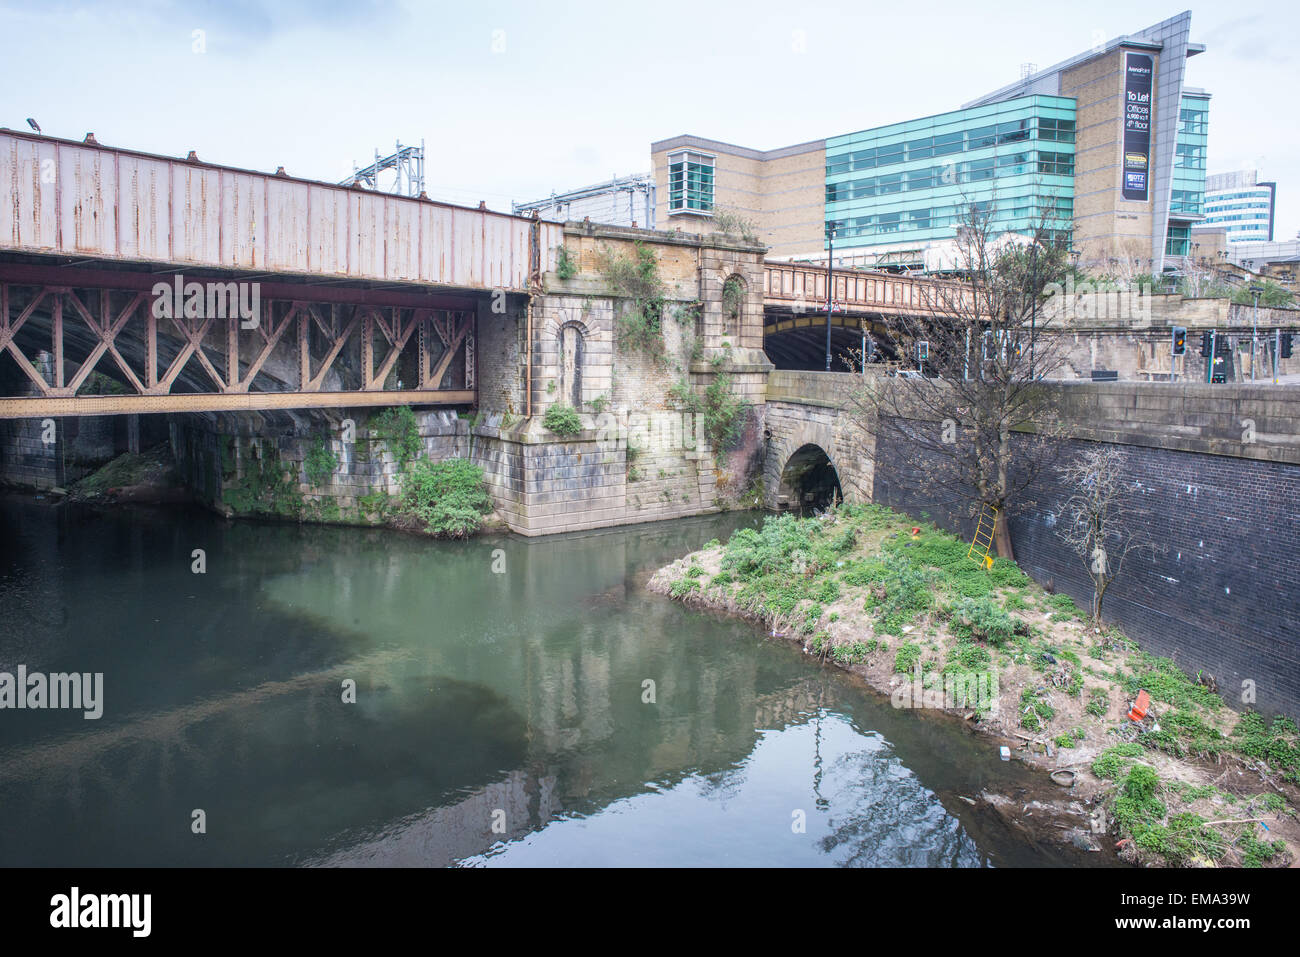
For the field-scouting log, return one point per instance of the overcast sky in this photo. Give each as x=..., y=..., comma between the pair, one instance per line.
x=516, y=99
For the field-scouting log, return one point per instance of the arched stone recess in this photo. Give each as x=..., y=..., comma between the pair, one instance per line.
x=575, y=349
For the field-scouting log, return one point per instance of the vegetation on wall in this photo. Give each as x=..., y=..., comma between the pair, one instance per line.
x=724, y=414
x=397, y=427
x=319, y=463
x=267, y=487
x=562, y=420
x=636, y=280
x=566, y=267
x=447, y=499
x=729, y=222
x=733, y=297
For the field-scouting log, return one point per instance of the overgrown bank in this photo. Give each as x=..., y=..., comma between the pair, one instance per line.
x=902, y=606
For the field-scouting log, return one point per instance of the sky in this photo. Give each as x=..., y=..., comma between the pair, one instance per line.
x=514, y=100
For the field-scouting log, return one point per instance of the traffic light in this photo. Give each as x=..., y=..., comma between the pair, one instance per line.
x=1285, y=351
x=922, y=351
x=1207, y=343
x=1180, y=340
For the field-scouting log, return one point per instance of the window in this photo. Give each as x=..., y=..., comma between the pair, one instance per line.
x=889, y=222
x=889, y=153
x=863, y=159
x=690, y=182
x=1011, y=164
x=976, y=170
x=890, y=184
x=948, y=143
x=983, y=136
x=571, y=357
x=1013, y=131
x=1060, y=131
x=920, y=149
x=918, y=219
x=1057, y=164
x=920, y=179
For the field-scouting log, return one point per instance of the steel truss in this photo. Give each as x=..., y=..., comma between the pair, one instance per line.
x=67, y=323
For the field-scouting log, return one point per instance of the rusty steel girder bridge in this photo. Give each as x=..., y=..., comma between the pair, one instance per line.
x=861, y=303
x=131, y=282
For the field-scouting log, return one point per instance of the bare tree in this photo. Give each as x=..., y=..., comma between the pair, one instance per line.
x=1101, y=521
x=987, y=350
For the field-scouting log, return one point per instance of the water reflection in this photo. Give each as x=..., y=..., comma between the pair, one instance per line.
x=499, y=718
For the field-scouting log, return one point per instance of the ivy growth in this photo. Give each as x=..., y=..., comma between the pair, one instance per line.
x=566, y=266
x=636, y=280
x=319, y=463
x=397, y=427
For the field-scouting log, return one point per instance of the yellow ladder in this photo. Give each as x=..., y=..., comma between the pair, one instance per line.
x=983, y=540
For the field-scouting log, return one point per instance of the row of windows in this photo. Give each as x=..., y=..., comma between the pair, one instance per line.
x=1241, y=218
x=945, y=144
x=1061, y=211
x=1216, y=207
x=972, y=171
x=1264, y=194
x=690, y=182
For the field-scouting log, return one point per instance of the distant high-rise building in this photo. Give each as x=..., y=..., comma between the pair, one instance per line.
x=1242, y=205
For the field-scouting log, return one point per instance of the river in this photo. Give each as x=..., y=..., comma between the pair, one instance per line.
x=516, y=702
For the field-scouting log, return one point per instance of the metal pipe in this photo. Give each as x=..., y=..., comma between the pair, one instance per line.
x=528, y=352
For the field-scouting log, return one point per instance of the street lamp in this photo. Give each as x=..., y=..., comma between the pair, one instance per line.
x=1255, y=291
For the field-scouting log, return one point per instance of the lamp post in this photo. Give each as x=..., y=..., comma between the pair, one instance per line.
x=1254, y=328
x=830, y=287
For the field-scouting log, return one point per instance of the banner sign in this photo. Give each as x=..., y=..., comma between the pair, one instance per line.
x=1138, y=71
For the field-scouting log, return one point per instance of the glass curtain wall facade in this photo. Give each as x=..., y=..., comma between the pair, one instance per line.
x=1187, y=195
x=1242, y=206
x=910, y=182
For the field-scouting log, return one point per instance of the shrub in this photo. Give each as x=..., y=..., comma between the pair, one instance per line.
x=1034, y=711
x=980, y=618
x=906, y=657
x=447, y=498
x=562, y=420
x=1098, y=703
x=1275, y=744
x=1110, y=762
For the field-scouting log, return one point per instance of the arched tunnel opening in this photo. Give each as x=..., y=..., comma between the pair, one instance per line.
x=810, y=481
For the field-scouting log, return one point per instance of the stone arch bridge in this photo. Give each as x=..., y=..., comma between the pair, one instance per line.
x=815, y=451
